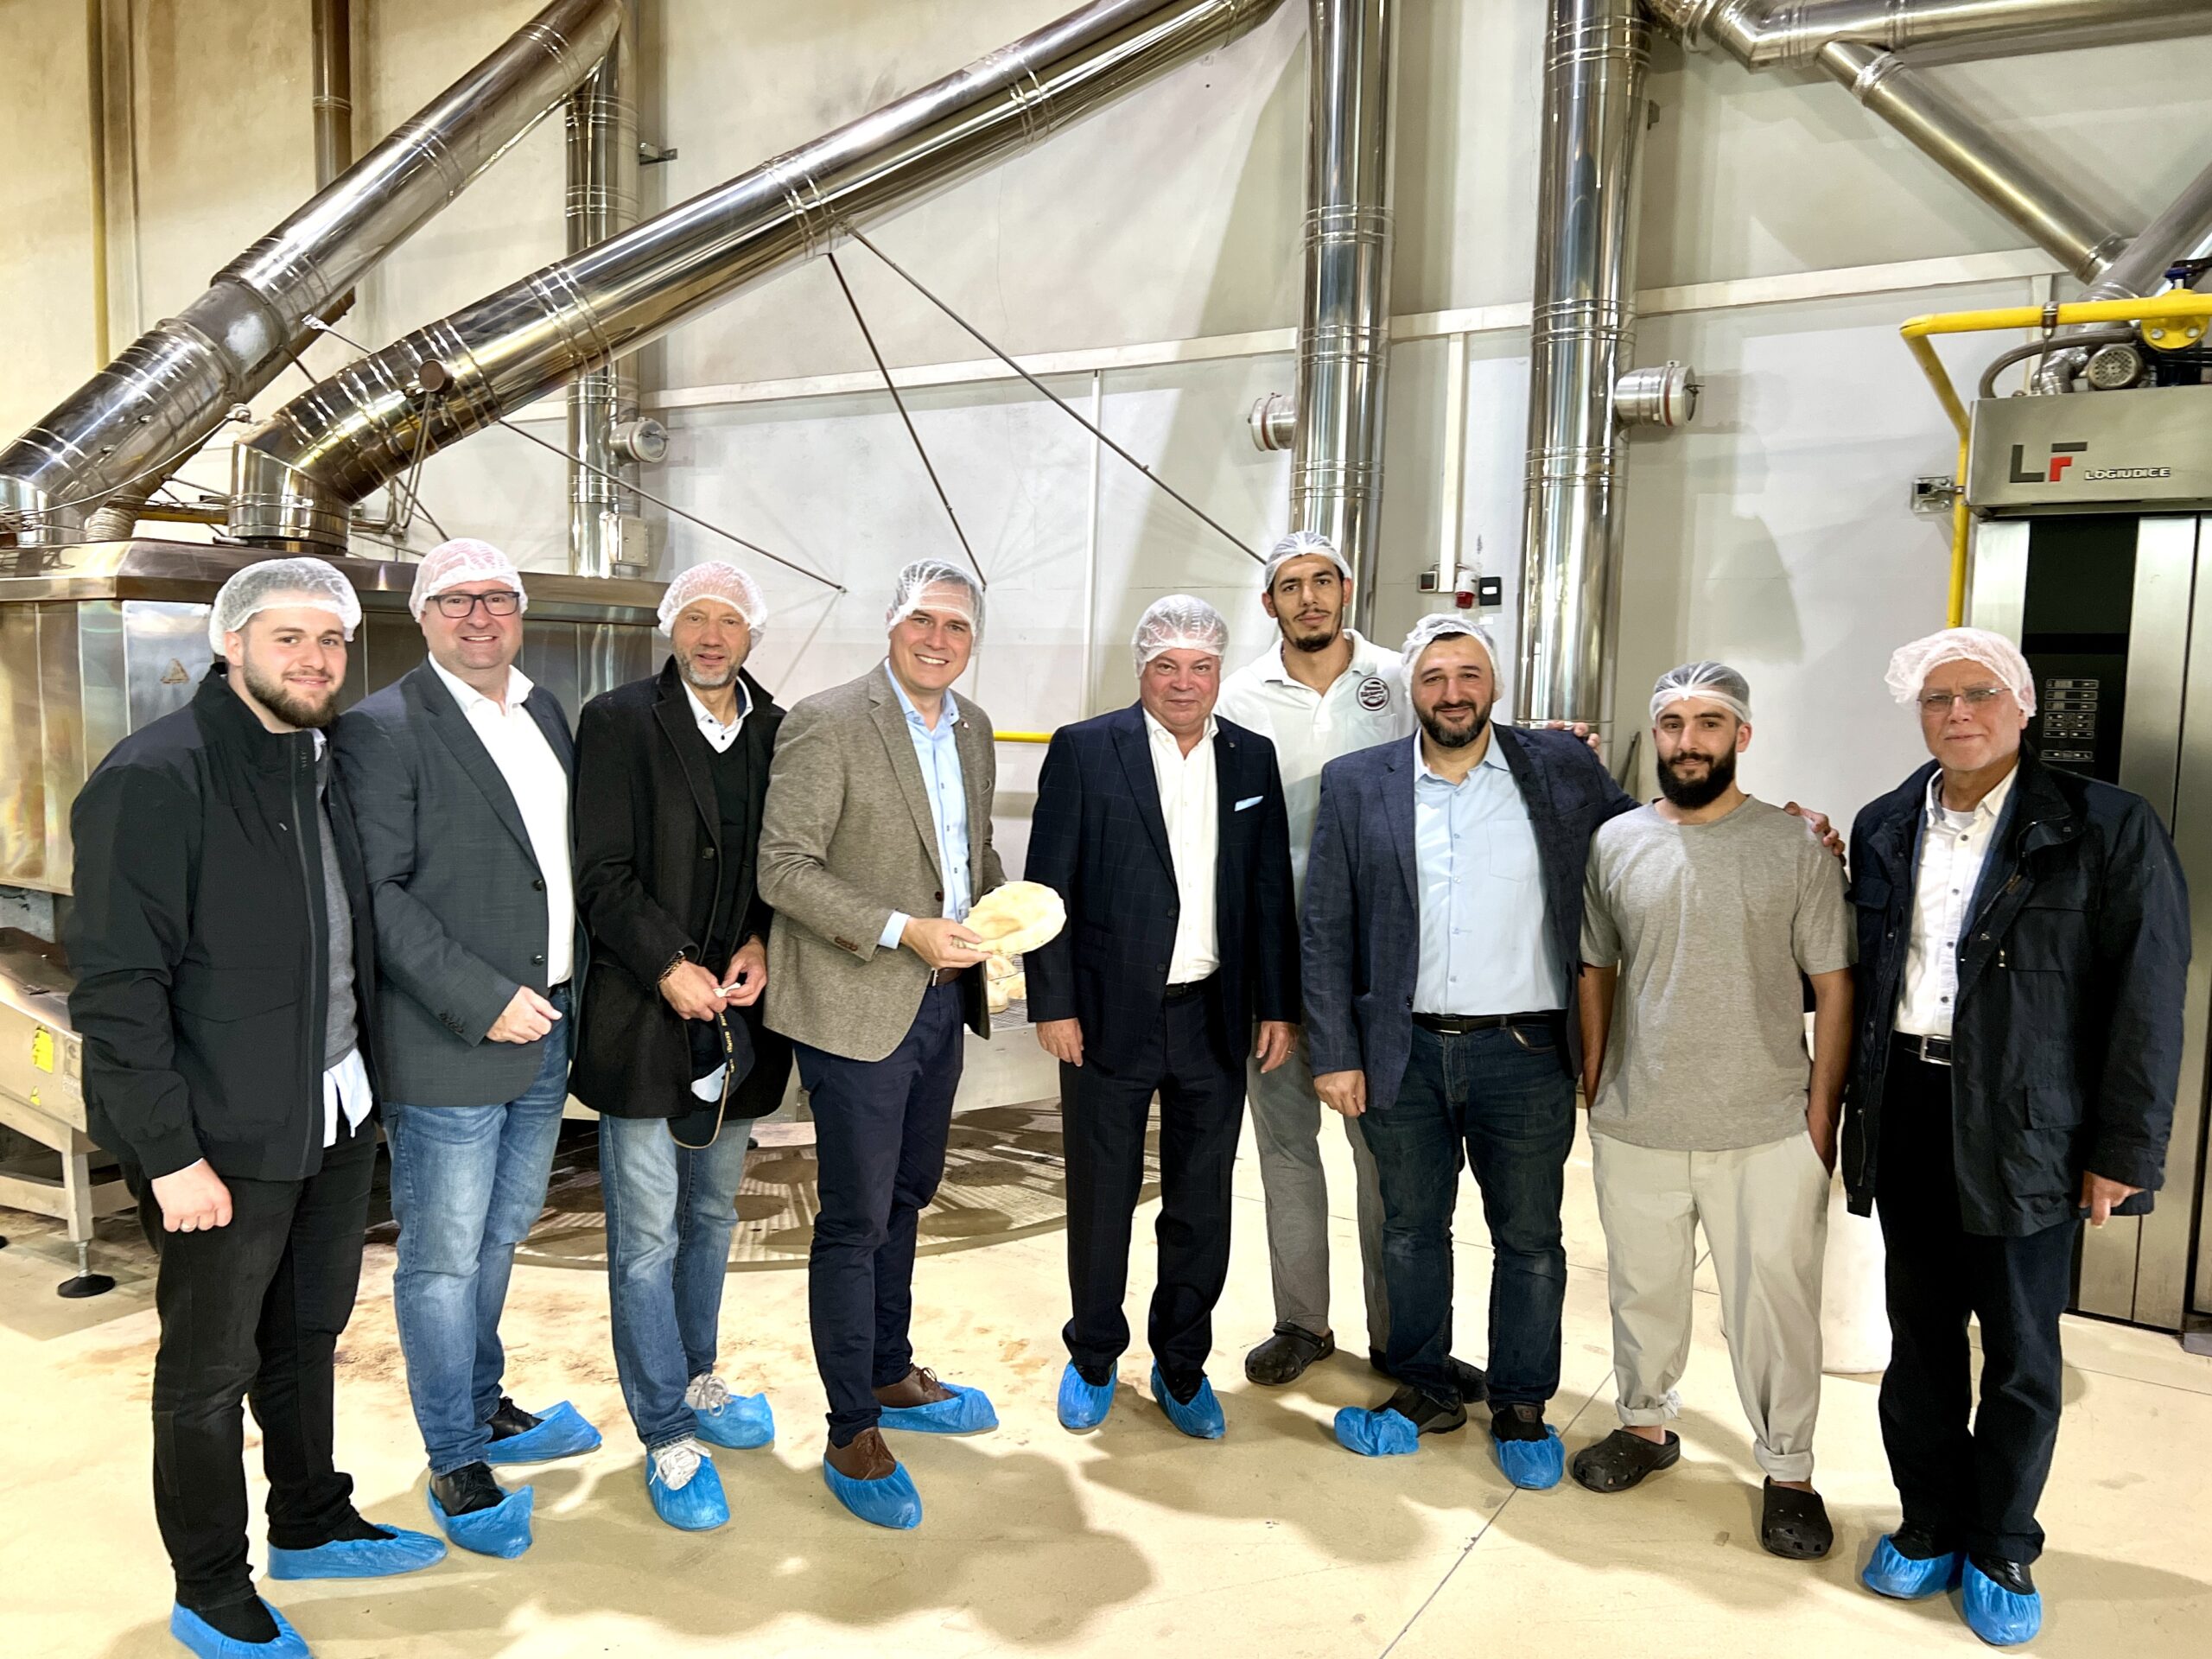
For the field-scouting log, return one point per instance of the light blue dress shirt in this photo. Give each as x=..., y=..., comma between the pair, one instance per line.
x=941, y=780
x=1485, y=946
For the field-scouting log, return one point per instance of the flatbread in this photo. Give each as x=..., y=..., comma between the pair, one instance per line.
x=1017, y=917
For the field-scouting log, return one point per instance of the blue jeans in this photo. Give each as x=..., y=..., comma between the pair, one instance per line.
x=670, y=1213
x=879, y=1132
x=467, y=1184
x=1500, y=1102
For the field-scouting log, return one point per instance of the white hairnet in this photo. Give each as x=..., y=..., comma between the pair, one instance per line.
x=450, y=564
x=1444, y=625
x=1177, y=622
x=1709, y=682
x=717, y=579
x=1911, y=664
x=282, y=581
x=1301, y=544
x=923, y=576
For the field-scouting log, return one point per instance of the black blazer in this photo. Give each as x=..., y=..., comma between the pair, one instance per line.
x=649, y=851
x=2073, y=974
x=199, y=943
x=461, y=904
x=1097, y=837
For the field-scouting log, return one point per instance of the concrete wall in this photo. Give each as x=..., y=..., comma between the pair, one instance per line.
x=1775, y=533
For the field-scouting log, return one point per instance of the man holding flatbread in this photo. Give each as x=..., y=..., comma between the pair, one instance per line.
x=1164, y=830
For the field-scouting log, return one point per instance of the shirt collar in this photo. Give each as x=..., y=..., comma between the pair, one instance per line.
x=706, y=716
x=1493, y=757
x=945, y=720
x=1274, y=670
x=1986, y=810
x=519, y=689
x=1159, y=733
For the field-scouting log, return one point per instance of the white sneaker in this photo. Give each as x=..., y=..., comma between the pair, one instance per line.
x=707, y=1392
x=677, y=1461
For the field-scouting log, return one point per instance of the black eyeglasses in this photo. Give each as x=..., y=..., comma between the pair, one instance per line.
x=458, y=606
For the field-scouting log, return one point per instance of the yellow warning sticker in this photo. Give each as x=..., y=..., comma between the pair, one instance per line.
x=42, y=1049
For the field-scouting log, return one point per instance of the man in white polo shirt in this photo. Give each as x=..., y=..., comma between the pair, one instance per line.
x=1321, y=691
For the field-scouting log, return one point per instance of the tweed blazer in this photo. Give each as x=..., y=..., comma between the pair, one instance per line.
x=846, y=839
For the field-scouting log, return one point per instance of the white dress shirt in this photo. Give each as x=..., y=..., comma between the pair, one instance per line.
x=720, y=737
x=1954, y=846
x=1365, y=705
x=1190, y=799
x=1485, y=937
x=539, y=785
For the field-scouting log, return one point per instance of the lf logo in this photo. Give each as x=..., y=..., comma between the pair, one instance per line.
x=2061, y=457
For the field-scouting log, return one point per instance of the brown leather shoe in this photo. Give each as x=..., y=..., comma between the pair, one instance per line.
x=865, y=1456
x=919, y=1387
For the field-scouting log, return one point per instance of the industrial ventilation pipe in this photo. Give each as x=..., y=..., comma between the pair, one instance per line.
x=1582, y=330
x=1768, y=34
x=171, y=390
x=295, y=477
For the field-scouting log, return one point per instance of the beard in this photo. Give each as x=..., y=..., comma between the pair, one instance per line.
x=702, y=680
x=1316, y=639
x=293, y=707
x=1690, y=794
x=1446, y=737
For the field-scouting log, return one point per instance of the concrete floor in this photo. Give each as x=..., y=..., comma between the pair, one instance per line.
x=1131, y=1540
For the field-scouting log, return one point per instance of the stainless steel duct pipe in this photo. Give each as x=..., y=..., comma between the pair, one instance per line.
x=2069, y=230
x=2182, y=232
x=603, y=530
x=1343, y=336
x=173, y=388
x=332, y=45
x=1582, y=330
x=1762, y=33
x=296, y=476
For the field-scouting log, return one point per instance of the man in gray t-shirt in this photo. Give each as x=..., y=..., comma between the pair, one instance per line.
x=1704, y=914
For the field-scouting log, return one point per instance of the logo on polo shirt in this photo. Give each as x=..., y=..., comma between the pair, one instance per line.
x=1374, y=693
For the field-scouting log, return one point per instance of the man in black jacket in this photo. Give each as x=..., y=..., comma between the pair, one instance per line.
x=671, y=1051
x=2022, y=949
x=1164, y=829
x=226, y=976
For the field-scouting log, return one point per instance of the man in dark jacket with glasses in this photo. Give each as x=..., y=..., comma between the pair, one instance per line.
x=2024, y=947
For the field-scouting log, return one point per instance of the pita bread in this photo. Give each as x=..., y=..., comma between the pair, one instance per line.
x=1017, y=917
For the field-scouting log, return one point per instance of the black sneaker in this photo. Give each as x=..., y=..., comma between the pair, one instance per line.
x=1473, y=1382
x=2006, y=1575
x=467, y=1490
x=1916, y=1542
x=1429, y=1416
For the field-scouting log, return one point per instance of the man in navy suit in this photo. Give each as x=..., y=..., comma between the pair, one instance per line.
x=1164, y=829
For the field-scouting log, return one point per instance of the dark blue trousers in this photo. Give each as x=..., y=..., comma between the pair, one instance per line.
x=880, y=1128
x=1498, y=1102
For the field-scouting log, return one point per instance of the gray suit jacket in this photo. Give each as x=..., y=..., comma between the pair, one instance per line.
x=459, y=899
x=846, y=838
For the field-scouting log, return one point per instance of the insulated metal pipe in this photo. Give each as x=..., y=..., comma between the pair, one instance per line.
x=2182, y=232
x=1343, y=336
x=602, y=202
x=2069, y=230
x=1762, y=33
x=296, y=476
x=1582, y=330
x=171, y=389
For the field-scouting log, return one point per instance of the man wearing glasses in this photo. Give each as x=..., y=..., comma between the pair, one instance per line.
x=2023, y=951
x=461, y=772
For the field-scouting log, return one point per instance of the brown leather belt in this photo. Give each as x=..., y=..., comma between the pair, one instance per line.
x=945, y=975
x=1458, y=1025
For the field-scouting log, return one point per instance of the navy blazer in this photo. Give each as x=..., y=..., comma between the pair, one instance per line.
x=1099, y=839
x=1360, y=936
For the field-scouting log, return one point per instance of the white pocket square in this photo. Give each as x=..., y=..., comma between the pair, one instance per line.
x=1249, y=801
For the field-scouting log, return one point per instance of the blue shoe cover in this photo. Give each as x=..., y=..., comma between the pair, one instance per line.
x=969, y=1412
x=892, y=1502
x=1902, y=1579
x=1999, y=1616
x=1201, y=1419
x=697, y=1506
x=1082, y=1405
x=745, y=1422
x=1533, y=1465
x=560, y=1432
x=360, y=1558
x=502, y=1530
x=209, y=1643
x=1377, y=1433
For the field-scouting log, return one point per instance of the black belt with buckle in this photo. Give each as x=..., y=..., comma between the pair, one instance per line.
x=1931, y=1050
x=1458, y=1025
x=1188, y=989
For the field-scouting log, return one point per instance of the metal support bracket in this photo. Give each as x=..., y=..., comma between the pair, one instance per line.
x=1934, y=494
